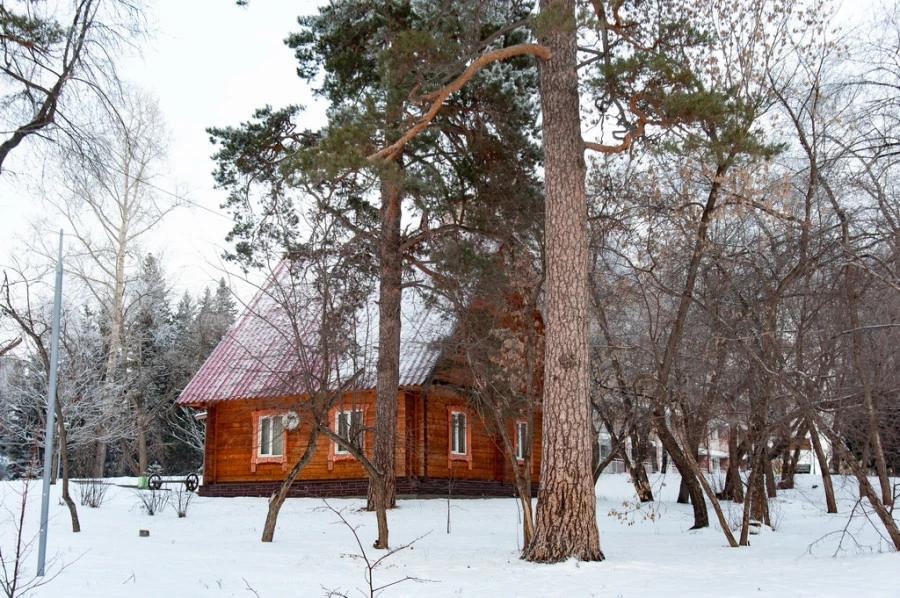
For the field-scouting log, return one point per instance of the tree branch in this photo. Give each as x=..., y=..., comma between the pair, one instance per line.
x=437, y=98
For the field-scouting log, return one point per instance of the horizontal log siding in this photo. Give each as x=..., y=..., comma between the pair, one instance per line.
x=230, y=446
x=488, y=460
x=230, y=438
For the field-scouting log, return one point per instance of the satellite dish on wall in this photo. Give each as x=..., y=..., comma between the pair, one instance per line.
x=290, y=420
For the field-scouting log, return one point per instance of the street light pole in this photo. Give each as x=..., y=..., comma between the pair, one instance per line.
x=51, y=412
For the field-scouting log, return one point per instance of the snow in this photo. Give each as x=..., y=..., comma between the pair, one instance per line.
x=215, y=550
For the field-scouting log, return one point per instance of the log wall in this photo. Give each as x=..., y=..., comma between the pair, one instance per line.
x=422, y=448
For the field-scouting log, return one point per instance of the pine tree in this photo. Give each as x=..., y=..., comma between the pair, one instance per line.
x=370, y=57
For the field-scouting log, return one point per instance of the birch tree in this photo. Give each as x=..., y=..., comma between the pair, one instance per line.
x=109, y=202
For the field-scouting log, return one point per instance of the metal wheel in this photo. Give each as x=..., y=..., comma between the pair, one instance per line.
x=154, y=482
x=191, y=482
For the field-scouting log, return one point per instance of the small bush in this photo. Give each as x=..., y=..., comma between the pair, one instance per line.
x=180, y=499
x=152, y=501
x=92, y=492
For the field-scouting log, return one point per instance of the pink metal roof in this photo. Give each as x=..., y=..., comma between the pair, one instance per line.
x=259, y=358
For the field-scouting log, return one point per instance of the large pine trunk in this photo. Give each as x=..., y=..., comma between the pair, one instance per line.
x=566, y=514
x=382, y=493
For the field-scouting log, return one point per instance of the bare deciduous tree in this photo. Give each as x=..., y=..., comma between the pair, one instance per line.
x=55, y=56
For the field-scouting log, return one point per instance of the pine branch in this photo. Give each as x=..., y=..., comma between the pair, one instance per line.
x=437, y=98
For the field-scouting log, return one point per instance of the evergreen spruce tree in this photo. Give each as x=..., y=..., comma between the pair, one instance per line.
x=151, y=338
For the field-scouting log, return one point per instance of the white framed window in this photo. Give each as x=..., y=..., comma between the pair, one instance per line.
x=459, y=436
x=521, y=439
x=269, y=439
x=271, y=436
x=348, y=425
x=458, y=442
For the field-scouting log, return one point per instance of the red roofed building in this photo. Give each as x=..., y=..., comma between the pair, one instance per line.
x=257, y=427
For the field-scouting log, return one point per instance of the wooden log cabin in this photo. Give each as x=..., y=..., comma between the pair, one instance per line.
x=257, y=426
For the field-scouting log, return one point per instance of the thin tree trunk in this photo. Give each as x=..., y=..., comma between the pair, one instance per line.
x=522, y=481
x=759, y=506
x=640, y=480
x=771, y=487
x=752, y=488
x=790, y=461
x=116, y=348
x=129, y=459
x=701, y=516
x=684, y=493
x=670, y=444
x=98, y=468
x=380, y=511
x=279, y=496
x=599, y=465
x=734, y=487
x=856, y=335
x=64, y=458
x=54, y=466
x=566, y=516
x=143, y=455
x=521, y=475
x=830, y=502
x=698, y=474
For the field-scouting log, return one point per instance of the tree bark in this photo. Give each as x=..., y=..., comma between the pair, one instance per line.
x=143, y=453
x=388, y=369
x=684, y=493
x=790, y=461
x=771, y=487
x=638, y=474
x=566, y=515
x=129, y=459
x=734, y=487
x=759, y=506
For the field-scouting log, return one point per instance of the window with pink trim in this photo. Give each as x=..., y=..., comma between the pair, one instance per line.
x=350, y=425
x=269, y=439
x=459, y=446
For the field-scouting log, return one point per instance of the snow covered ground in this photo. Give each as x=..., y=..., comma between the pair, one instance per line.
x=215, y=551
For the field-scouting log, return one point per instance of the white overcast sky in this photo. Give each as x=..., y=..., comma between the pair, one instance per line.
x=209, y=63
